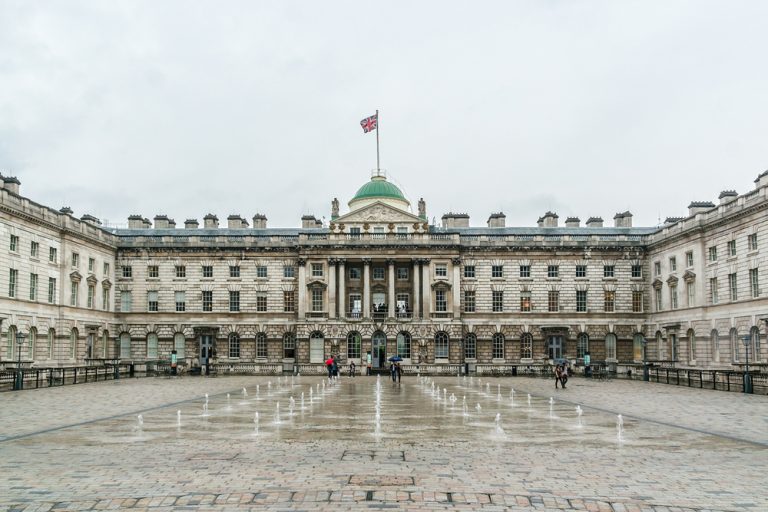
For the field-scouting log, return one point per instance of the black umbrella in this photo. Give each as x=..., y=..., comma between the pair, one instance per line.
x=395, y=359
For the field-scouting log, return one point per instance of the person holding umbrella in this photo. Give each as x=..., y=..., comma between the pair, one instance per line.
x=329, y=366
x=393, y=368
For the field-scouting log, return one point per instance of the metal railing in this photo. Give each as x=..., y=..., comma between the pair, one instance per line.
x=33, y=378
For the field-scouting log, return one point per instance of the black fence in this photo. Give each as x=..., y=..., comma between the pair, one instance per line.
x=33, y=378
x=722, y=380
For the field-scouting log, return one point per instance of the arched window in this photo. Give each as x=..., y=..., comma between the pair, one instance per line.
x=51, y=342
x=470, y=346
x=404, y=345
x=582, y=345
x=234, y=345
x=73, y=343
x=638, y=349
x=180, y=345
x=125, y=346
x=261, y=345
x=441, y=345
x=11, y=334
x=354, y=344
x=715, y=345
x=755, y=335
x=32, y=342
x=526, y=346
x=691, y=345
x=152, y=345
x=734, y=345
x=289, y=345
x=498, y=346
x=610, y=346
x=316, y=347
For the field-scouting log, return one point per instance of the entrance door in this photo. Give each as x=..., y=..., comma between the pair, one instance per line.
x=206, y=344
x=378, y=352
x=316, y=349
x=555, y=347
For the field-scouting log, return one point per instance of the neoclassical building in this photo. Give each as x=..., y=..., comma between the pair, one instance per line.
x=380, y=278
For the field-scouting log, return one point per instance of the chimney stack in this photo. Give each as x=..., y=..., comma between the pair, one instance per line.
x=455, y=220
x=572, y=222
x=234, y=222
x=622, y=220
x=191, y=224
x=11, y=184
x=211, y=221
x=135, y=222
x=595, y=222
x=549, y=220
x=497, y=220
x=699, y=206
x=726, y=196
x=161, y=222
x=259, y=221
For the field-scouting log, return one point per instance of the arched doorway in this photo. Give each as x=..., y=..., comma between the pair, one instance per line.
x=378, y=349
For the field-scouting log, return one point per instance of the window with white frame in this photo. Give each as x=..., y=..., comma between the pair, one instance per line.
x=497, y=301
x=441, y=270
x=673, y=264
x=74, y=292
x=179, y=345
x=106, y=268
x=234, y=301
x=498, y=346
x=656, y=268
x=207, y=271
x=752, y=242
x=261, y=272
x=733, y=287
x=289, y=345
x=91, y=296
x=32, y=286
x=234, y=271
x=690, y=291
x=610, y=346
x=402, y=273
x=52, y=255
x=378, y=273
x=525, y=302
x=469, y=301
x=469, y=271
x=689, y=259
x=712, y=252
x=582, y=345
x=731, y=247
x=180, y=298
x=581, y=271
x=153, y=271
x=526, y=346
x=581, y=301
x=659, y=303
x=553, y=271
x=637, y=301
x=75, y=260
x=289, y=301
x=14, y=243
x=91, y=264
x=207, y=300
x=234, y=345
x=691, y=345
x=609, y=301
x=673, y=296
x=354, y=273
x=127, y=271
x=105, y=299
x=497, y=271
x=404, y=345
x=289, y=271
x=181, y=271
x=317, y=299
x=125, y=346
x=553, y=301
x=525, y=271
x=441, y=304
x=317, y=269
x=34, y=249
x=470, y=346
x=261, y=345
x=441, y=345
x=713, y=291
x=13, y=277
x=51, y=290
x=609, y=271
x=354, y=345
x=715, y=341
x=152, y=303
x=753, y=282
x=261, y=302
x=152, y=346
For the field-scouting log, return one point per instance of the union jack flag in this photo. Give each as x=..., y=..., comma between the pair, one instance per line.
x=369, y=123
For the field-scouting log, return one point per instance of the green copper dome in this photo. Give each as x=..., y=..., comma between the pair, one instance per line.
x=379, y=187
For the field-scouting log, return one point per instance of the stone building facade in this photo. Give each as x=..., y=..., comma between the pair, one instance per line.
x=380, y=279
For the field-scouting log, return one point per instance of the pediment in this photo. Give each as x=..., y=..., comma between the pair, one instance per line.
x=689, y=276
x=657, y=283
x=91, y=280
x=378, y=212
x=75, y=276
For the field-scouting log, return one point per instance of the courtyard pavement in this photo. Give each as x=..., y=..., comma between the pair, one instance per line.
x=443, y=443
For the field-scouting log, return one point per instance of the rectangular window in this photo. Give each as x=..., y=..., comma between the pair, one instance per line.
x=553, y=271
x=713, y=290
x=581, y=301
x=469, y=301
x=525, y=301
x=33, y=286
x=497, y=271
x=14, y=243
x=261, y=302
x=553, y=301
x=690, y=291
x=469, y=271
x=75, y=260
x=731, y=247
x=659, y=304
x=51, y=290
x=12, y=279
x=581, y=271
x=207, y=300
x=127, y=271
x=673, y=264
x=181, y=271
x=234, y=301
x=234, y=271
x=317, y=269
x=52, y=255
x=402, y=273
x=732, y=287
x=441, y=304
x=34, y=249
x=378, y=273
x=261, y=345
x=751, y=242
x=91, y=295
x=354, y=232
x=498, y=301
x=753, y=283
x=609, y=271
x=207, y=271
x=91, y=264
x=152, y=301
x=289, y=302
x=180, y=298
x=657, y=268
x=712, y=251
x=354, y=272
x=125, y=301
x=73, y=294
x=609, y=301
x=289, y=271
x=105, y=299
x=689, y=259
x=637, y=271
x=106, y=268
x=673, y=297
x=317, y=299
x=401, y=302
x=498, y=346
x=378, y=232
x=261, y=271
x=153, y=271
x=525, y=271
x=441, y=270
x=234, y=346
x=637, y=302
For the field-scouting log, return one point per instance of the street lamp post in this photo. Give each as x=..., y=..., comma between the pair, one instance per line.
x=646, y=370
x=19, y=378
x=747, y=376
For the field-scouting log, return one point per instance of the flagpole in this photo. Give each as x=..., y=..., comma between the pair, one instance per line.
x=378, y=167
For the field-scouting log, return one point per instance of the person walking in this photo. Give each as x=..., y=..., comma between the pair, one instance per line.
x=368, y=363
x=563, y=375
x=329, y=367
x=558, y=375
x=399, y=372
x=335, y=368
x=351, y=368
x=393, y=371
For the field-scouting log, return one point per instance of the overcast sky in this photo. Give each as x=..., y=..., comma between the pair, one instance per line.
x=585, y=108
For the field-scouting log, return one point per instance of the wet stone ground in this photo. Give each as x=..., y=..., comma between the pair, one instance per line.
x=443, y=443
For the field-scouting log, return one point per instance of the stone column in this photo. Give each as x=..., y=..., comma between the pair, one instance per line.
x=331, y=288
x=302, y=288
x=391, y=289
x=426, y=296
x=366, y=288
x=456, y=287
x=415, y=304
x=342, y=290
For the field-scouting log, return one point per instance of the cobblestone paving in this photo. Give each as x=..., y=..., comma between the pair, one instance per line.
x=82, y=448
